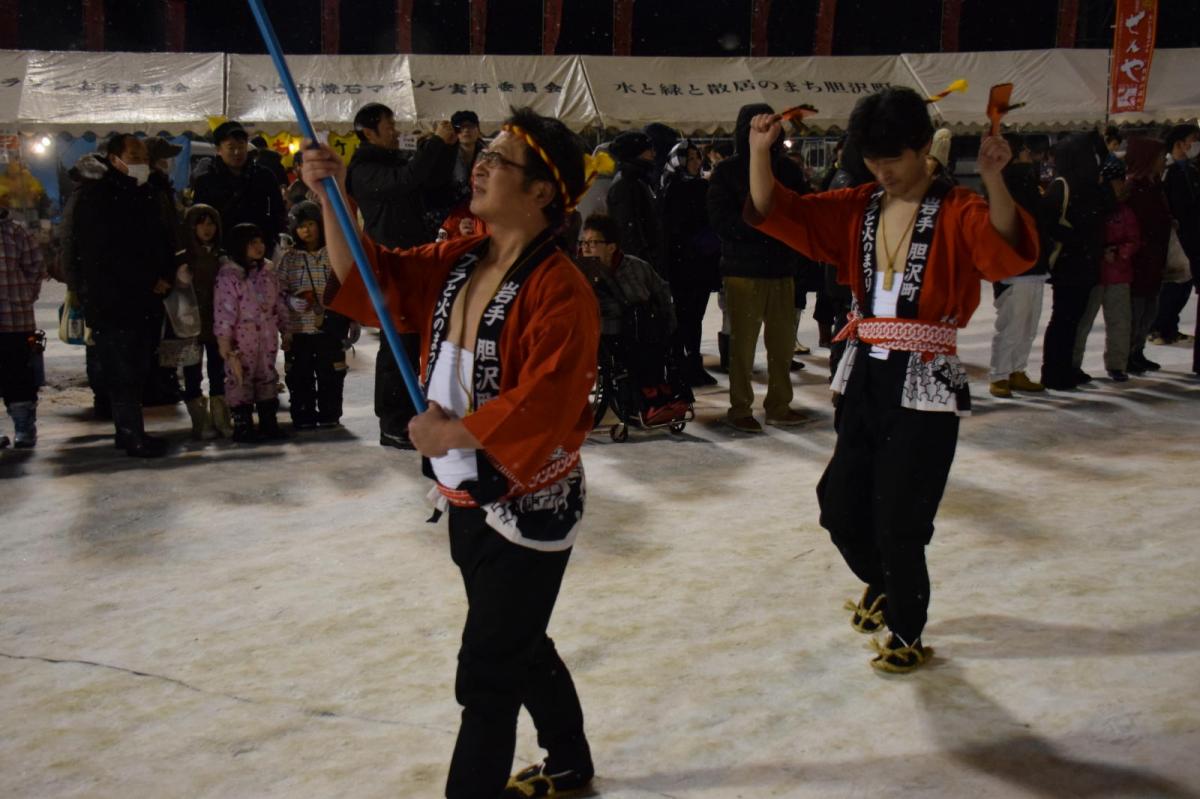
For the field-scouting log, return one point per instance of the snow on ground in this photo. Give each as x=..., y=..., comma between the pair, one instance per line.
x=280, y=621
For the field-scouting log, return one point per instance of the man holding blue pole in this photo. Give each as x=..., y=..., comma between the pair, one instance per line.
x=509, y=330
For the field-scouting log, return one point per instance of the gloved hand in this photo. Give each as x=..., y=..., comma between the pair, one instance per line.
x=298, y=304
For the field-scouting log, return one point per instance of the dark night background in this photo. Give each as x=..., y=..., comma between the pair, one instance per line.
x=660, y=27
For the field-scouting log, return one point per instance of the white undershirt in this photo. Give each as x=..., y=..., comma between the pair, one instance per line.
x=883, y=303
x=446, y=389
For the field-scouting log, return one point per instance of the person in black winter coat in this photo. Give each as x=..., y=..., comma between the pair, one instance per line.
x=758, y=272
x=268, y=159
x=122, y=265
x=692, y=251
x=240, y=190
x=1181, y=184
x=390, y=190
x=632, y=201
x=1077, y=267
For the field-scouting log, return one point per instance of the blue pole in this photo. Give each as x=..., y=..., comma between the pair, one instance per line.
x=340, y=209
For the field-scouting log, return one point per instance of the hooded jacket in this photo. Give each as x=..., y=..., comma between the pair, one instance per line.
x=746, y=252
x=389, y=188
x=1149, y=205
x=204, y=261
x=119, y=247
x=692, y=248
x=1182, y=187
x=633, y=205
x=250, y=197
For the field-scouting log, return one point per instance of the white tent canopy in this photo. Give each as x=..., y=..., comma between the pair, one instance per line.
x=1174, y=91
x=1060, y=88
x=833, y=84
x=82, y=90
x=12, y=82
x=418, y=88
x=171, y=89
x=492, y=86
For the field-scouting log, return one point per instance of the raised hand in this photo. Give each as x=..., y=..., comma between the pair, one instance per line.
x=319, y=163
x=994, y=155
x=764, y=130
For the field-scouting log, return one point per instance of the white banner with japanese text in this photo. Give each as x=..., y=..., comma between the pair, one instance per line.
x=64, y=88
x=12, y=83
x=492, y=86
x=705, y=94
x=333, y=88
x=420, y=89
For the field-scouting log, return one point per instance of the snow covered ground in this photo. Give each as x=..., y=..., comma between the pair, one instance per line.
x=280, y=621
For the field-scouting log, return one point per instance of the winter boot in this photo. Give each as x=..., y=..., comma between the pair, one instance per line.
x=1019, y=381
x=131, y=432
x=218, y=412
x=723, y=351
x=202, y=424
x=24, y=416
x=268, y=424
x=243, y=424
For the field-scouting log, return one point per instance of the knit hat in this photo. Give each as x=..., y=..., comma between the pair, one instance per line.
x=629, y=145
x=301, y=212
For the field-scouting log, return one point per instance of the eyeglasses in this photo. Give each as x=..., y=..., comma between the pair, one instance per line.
x=586, y=243
x=492, y=159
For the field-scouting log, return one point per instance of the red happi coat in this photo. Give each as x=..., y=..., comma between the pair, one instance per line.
x=827, y=227
x=547, y=348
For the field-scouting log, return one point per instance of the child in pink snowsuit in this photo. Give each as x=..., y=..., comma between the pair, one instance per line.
x=249, y=315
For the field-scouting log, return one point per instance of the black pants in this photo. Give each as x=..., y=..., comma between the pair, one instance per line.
x=18, y=381
x=691, y=302
x=316, y=373
x=95, y=374
x=1058, y=347
x=1196, y=342
x=1172, y=299
x=881, y=490
x=194, y=374
x=507, y=661
x=124, y=357
x=393, y=406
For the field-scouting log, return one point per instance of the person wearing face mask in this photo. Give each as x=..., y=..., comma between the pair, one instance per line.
x=122, y=264
x=1181, y=183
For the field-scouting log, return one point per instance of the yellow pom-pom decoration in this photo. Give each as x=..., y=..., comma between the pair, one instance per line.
x=959, y=85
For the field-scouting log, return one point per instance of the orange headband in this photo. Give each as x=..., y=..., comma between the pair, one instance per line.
x=591, y=167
